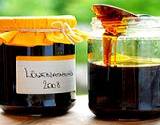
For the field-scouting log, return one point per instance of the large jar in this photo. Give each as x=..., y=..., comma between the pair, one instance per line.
x=124, y=69
x=37, y=64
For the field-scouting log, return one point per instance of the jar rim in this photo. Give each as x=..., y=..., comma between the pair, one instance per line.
x=142, y=22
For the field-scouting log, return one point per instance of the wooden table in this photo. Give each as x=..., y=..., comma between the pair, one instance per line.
x=78, y=115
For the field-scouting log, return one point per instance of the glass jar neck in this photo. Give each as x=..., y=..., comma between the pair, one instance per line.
x=129, y=26
x=142, y=27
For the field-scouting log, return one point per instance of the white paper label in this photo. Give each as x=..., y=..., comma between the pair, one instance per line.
x=45, y=75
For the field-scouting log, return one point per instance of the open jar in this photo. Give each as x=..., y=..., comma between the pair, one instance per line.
x=37, y=64
x=124, y=69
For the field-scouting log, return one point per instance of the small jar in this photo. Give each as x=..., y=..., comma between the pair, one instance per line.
x=37, y=64
x=124, y=69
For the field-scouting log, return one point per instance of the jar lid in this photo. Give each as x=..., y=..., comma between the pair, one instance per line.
x=33, y=22
x=43, y=31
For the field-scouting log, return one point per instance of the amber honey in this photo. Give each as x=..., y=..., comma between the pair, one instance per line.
x=13, y=102
x=124, y=91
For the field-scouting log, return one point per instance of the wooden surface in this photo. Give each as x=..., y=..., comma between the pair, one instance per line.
x=78, y=115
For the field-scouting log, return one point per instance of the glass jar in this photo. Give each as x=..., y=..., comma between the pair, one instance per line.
x=37, y=64
x=124, y=69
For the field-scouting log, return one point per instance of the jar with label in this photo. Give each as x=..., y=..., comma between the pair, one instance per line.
x=124, y=68
x=37, y=64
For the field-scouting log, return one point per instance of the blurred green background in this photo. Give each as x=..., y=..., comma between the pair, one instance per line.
x=82, y=10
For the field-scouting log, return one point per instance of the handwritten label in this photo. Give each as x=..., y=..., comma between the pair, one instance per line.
x=43, y=76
